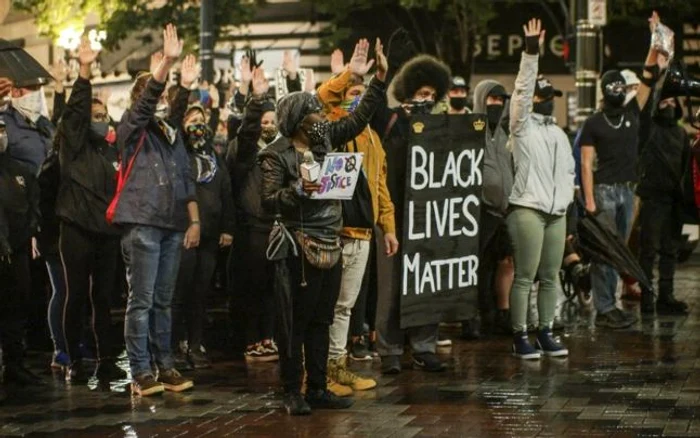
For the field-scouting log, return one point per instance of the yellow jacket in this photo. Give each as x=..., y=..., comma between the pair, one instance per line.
x=330, y=93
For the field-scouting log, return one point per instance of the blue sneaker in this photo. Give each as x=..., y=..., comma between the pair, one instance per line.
x=548, y=345
x=60, y=360
x=522, y=347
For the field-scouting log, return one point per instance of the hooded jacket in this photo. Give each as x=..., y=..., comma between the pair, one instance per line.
x=498, y=161
x=28, y=143
x=280, y=166
x=19, y=203
x=88, y=166
x=544, y=163
x=374, y=161
x=161, y=183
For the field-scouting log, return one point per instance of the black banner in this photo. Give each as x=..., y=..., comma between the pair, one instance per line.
x=440, y=256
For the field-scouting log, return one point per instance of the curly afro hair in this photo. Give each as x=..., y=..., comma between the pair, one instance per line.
x=418, y=72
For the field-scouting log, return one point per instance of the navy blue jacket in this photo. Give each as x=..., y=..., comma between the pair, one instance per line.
x=28, y=143
x=160, y=184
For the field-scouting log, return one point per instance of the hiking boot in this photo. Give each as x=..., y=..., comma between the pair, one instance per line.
x=668, y=305
x=359, y=350
x=78, y=373
x=295, y=404
x=338, y=389
x=338, y=371
x=428, y=362
x=522, y=347
x=173, y=381
x=60, y=360
x=199, y=359
x=647, y=307
x=19, y=375
x=146, y=385
x=324, y=399
x=108, y=370
x=547, y=345
x=615, y=319
x=391, y=364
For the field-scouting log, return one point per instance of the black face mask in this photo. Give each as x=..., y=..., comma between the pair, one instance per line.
x=666, y=115
x=458, y=103
x=99, y=128
x=422, y=106
x=614, y=100
x=546, y=108
x=493, y=115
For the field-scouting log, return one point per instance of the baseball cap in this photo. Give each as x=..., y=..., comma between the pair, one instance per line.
x=545, y=90
x=499, y=91
x=630, y=77
x=458, y=82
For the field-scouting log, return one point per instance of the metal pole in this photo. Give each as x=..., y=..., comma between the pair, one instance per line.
x=588, y=62
x=206, y=39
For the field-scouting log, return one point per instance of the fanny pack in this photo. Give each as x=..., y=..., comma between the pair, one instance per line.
x=319, y=252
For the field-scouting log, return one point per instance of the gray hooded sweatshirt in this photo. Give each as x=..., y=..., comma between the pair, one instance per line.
x=498, y=163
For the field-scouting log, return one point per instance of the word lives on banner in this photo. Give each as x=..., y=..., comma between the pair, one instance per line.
x=339, y=174
x=440, y=257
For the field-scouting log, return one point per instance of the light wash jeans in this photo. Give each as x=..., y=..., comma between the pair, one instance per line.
x=616, y=205
x=355, y=256
x=152, y=259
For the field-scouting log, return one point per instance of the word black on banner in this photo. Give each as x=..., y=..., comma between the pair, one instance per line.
x=440, y=257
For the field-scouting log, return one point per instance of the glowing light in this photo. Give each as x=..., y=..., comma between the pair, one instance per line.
x=69, y=38
x=96, y=37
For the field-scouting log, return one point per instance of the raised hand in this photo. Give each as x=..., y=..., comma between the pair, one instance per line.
x=172, y=46
x=260, y=83
x=289, y=64
x=382, y=62
x=654, y=21
x=309, y=80
x=215, y=96
x=246, y=72
x=358, y=62
x=59, y=71
x=156, y=59
x=533, y=29
x=86, y=56
x=189, y=71
x=337, y=62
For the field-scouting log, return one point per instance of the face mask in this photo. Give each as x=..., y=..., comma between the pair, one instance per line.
x=269, y=133
x=631, y=95
x=458, y=103
x=546, y=108
x=197, y=135
x=29, y=105
x=220, y=140
x=162, y=111
x=493, y=115
x=614, y=94
x=318, y=132
x=421, y=106
x=352, y=104
x=3, y=142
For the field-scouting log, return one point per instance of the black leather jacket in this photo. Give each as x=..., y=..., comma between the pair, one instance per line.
x=280, y=166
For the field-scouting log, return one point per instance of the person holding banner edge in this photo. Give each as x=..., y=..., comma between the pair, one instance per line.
x=542, y=191
x=314, y=275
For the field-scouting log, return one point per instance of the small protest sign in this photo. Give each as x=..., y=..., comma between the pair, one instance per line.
x=440, y=258
x=339, y=174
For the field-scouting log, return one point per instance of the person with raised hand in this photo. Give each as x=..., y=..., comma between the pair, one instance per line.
x=542, y=191
x=158, y=213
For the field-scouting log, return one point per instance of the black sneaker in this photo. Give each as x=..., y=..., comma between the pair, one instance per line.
x=199, y=359
x=324, y=399
x=470, y=330
x=428, y=362
x=108, y=370
x=359, y=350
x=21, y=376
x=647, y=306
x=391, y=364
x=615, y=319
x=668, y=305
x=181, y=360
x=295, y=404
x=78, y=373
x=501, y=323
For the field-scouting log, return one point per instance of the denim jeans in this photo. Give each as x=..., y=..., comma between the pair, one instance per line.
x=57, y=301
x=616, y=205
x=355, y=254
x=152, y=259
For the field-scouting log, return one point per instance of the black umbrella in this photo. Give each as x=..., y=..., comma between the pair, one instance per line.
x=600, y=242
x=20, y=67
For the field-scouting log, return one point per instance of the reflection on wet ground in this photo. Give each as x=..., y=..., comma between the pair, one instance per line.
x=641, y=382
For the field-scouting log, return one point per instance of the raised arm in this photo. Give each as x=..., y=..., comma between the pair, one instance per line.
x=188, y=74
x=654, y=62
x=521, y=102
x=250, y=130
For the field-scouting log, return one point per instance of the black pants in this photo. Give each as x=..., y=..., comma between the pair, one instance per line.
x=254, y=283
x=193, y=282
x=312, y=315
x=494, y=246
x=661, y=231
x=90, y=265
x=365, y=309
x=15, y=285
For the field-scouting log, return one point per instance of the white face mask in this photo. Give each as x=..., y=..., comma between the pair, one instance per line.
x=630, y=95
x=30, y=105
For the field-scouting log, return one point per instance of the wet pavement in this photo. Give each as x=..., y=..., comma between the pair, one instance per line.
x=640, y=382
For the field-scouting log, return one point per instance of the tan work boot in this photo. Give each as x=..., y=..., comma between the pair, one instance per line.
x=338, y=389
x=338, y=371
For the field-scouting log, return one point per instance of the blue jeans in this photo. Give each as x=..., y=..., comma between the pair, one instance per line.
x=152, y=259
x=616, y=205
x=57, y=301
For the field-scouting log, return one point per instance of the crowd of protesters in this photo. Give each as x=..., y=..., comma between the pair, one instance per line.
x=157, y=196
